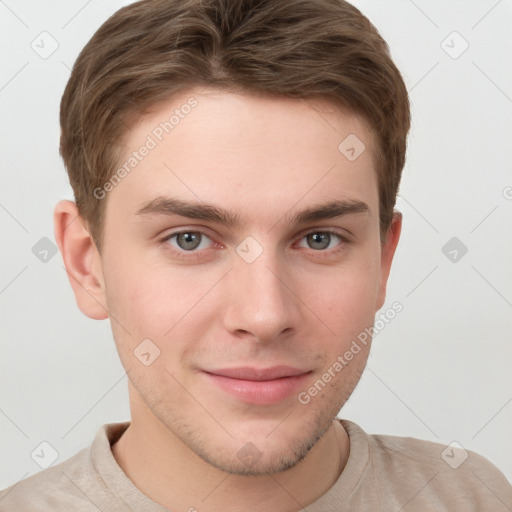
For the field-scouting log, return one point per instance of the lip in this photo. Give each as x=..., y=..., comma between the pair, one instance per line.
x=258, y=386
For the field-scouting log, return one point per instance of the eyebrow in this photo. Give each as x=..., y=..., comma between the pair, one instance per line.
x=172, y=206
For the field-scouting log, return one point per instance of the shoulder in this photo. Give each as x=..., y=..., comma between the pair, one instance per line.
x=424, y=471
x=60, y=487
x=82, y=482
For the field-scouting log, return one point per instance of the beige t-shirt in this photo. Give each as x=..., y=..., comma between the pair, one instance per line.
x=383, y=473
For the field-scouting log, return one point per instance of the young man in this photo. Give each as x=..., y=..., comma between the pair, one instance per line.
x=235, y=167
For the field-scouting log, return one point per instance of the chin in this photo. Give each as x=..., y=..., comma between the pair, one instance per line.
x=249, y=460
x=259, y=454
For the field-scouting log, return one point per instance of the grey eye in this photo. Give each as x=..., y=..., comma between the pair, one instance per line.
x=318, y=241
x=188, y=241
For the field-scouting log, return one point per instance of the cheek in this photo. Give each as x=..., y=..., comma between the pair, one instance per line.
x=347, y=307
x=346, y=297
x=156, y=301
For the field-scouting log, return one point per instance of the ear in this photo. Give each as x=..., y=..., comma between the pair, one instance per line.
x=81, y=259
x=387, y=252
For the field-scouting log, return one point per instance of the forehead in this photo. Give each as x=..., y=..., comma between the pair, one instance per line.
x=260, y=155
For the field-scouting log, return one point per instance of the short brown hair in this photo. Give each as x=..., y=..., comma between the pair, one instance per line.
x=152, y=49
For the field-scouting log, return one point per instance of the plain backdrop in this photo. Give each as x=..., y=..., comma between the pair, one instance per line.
x=439, y=371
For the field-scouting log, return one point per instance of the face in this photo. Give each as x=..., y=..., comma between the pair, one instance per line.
x=241, y=258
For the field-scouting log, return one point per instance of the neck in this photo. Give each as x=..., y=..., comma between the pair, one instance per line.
x=171, y=474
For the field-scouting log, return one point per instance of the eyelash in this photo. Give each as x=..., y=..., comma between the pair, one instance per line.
x=197, y=253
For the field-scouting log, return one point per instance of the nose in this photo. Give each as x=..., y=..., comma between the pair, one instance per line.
x=260, y=303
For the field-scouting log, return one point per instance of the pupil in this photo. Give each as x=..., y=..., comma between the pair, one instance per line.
x=320, y=238
x=188, y=240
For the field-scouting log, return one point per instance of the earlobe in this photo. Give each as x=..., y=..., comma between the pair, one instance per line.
x=81, y=259
x=387, y=252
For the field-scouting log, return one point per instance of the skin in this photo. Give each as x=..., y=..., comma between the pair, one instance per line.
x=298, y=304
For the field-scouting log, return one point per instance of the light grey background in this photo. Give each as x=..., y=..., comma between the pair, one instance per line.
x=440, y=370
